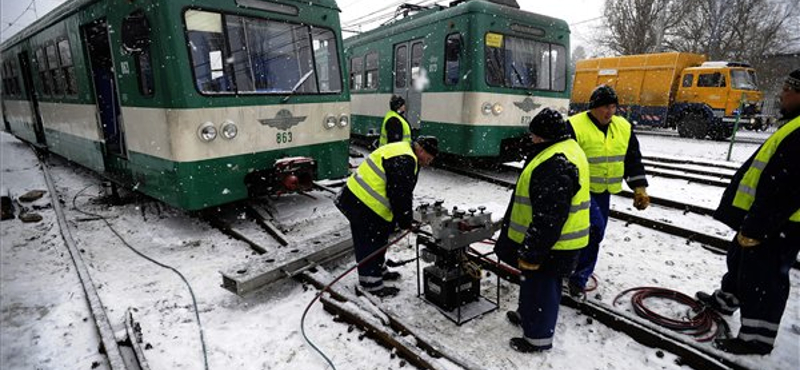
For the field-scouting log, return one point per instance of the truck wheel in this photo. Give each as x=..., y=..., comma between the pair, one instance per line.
x=692, y=125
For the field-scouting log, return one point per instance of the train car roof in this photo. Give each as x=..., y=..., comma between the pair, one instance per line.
x=72, y=6
x=61, y=11
x=433, y=15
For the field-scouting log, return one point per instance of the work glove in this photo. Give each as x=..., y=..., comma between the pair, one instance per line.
x=640, y=198
x=523, y=265
x=746, y=242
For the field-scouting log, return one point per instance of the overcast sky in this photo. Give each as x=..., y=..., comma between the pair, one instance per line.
x=582, y=15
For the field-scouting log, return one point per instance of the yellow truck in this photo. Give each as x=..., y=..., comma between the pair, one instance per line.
x=679, y=90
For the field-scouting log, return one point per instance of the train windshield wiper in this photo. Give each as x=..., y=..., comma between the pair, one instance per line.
x=297, y=85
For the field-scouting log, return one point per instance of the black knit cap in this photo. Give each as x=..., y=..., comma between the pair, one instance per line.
x=396, y=102
x=794, y=80
x=549, y=125
x=429, y=143
x=603, y=95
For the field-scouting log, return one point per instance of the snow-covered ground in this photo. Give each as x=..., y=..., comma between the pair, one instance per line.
x=46, y=324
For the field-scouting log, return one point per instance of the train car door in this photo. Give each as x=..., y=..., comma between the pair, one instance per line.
x=101, y=65
x=407, y=70
x=30, y=95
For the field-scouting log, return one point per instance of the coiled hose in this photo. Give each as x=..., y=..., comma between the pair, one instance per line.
x=704, y=326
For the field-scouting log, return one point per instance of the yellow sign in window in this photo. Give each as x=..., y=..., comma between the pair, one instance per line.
x=494, y=40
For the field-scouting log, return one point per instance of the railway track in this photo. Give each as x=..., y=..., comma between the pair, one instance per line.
x=673, y=134
x=709, y=242
x=125, y=354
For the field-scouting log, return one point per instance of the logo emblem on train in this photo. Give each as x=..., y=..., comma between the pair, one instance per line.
x=527, y=105
x=283, y=120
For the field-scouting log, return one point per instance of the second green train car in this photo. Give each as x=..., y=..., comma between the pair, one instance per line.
x=473, y=74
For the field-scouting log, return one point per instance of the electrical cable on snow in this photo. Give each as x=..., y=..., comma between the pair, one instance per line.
x=191, y=292
x=705, y=321
x=319, y=294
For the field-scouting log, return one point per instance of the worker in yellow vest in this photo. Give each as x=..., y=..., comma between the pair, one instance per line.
x=613, y=153
x=395, y=127
x=762, y=203
x=378, y=197
x=545, y=227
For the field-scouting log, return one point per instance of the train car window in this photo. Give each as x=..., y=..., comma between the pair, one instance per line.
x=494, y=56
x=15, y=79
x=67, y=67
x=400, y=66
x=688, y=79
x=521, y=63
x=715, y=79
x=356, y=73
x=6, y=80
x=261, y=56
x=207, y=44
x=416, y=61
x=44, y=75
x=372, y=71
x=55, y=70
x=145, y=72
x=452, y=59
x=327, y=60
x=558, y=67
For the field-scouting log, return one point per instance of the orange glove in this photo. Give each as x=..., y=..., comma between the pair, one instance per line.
x=526, y=266
x=746, y=242
x=640, y=198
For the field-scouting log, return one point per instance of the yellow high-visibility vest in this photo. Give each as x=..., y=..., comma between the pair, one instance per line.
x=406, y=128
x=368, y=183
x=746, y=192
x=605, y=152
x=575, y=232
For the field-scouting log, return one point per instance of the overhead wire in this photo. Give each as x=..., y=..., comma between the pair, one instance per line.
x=12, y=23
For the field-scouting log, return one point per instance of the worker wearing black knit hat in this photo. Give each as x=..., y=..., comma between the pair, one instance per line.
x=762, y=203
x=395, y=127
x=545, y=227
x=613, y=152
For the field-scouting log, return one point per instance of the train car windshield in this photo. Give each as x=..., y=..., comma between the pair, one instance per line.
x=743, y=79
x=236, y=54
x=526, y=64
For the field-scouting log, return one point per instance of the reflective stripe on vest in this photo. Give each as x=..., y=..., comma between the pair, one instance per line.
x=746, y=193
x=368, y=183
x=406, y=128
x=605, y=152
x=575, y=232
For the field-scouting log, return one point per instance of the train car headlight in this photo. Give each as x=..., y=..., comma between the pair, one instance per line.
x=330, y=122
x=486, y=108
x=344, y=120
x=207, y=132
x=229, y=130
x=497, y=109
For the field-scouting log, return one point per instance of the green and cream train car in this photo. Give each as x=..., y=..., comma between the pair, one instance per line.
x=194, y=102
x=489, y=68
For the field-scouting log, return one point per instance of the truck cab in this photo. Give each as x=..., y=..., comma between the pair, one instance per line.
x=723, y=88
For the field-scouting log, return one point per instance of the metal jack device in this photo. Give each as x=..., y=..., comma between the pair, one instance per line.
x=452, y=282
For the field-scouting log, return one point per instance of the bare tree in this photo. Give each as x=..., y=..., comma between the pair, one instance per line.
x=639, y=26
x=743, y=30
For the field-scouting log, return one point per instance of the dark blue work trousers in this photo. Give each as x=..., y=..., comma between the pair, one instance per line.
x=370, y=233
x=539, y=299
x=598, y=215
x=759, y=278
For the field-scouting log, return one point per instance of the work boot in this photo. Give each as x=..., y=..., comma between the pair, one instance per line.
x=576, y=291
x=514, y=318
x=713, y=301
x=522, y=345
x=391, y=275
x=738, y=346
x=385, y=292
